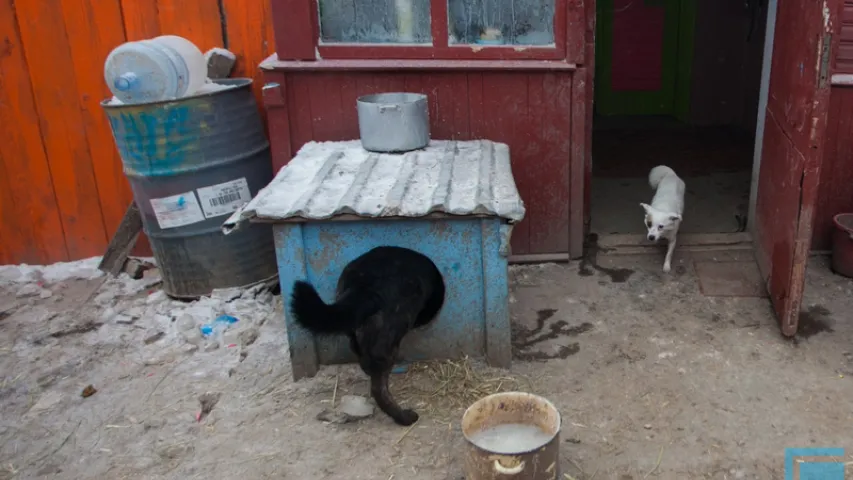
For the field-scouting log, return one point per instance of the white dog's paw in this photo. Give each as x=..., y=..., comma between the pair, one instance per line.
x=666, y=268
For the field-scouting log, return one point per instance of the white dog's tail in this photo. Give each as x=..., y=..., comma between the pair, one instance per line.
x=657, y=174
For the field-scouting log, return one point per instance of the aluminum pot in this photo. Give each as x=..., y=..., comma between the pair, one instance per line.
x=393, y=122
x=539, y=462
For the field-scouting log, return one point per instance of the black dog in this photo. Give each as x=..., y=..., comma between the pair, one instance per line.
x=380, y=296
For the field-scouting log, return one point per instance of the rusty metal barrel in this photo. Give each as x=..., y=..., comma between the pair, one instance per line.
x=191, y=163
x=512, y=435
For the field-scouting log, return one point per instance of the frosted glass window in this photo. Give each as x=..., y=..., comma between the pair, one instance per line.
x=501, y=22
x=375, y=21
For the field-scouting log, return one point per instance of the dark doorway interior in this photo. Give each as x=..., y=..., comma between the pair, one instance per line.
x=705, y=133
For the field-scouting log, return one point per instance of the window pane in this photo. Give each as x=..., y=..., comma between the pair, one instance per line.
x=375, y=21
x=501, y=22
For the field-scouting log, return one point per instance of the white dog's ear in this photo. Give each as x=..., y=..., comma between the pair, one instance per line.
x=646, y=207
x=675, y=218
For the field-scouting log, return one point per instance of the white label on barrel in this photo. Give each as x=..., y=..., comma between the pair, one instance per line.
x=224, y=198
x=177, y=210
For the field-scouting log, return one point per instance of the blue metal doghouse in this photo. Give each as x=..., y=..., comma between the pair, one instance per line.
x=455, y=202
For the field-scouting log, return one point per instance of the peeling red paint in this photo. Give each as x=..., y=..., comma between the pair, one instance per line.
x=794, y=135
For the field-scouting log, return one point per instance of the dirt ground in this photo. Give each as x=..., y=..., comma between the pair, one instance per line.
x=653, y=380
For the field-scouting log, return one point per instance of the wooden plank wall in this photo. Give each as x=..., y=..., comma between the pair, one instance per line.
x=843, y=59
x=62, y=190
x=463, y=105
x=836, y=174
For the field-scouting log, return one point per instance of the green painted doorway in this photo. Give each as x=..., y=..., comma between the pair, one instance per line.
x=644, y=54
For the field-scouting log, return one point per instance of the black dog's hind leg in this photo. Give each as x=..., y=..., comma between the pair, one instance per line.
x=382, y=396
x=353, y=344
x=432, y=306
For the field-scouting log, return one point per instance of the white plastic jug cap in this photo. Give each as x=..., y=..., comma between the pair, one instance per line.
x=126, y=82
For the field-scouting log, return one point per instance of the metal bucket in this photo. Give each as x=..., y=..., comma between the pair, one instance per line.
x=498, y=441
x=393, y=122
x=191, y=162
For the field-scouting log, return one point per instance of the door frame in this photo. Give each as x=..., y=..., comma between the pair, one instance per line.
x=763, y=92
x=788, y=326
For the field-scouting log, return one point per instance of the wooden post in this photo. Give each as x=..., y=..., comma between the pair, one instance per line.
x=122, y=242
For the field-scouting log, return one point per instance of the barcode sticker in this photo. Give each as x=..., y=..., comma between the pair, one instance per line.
x=224, y=198
x=177, y=210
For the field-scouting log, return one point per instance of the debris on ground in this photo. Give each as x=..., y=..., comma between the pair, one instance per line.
x=444, y=388
x=219, y=325
x=135, y=268
x=334, y=417
x=207, y=401
x=154, y=338
x=7, y=309
x=88, y=391
x=621, y=397
x=351, y=408
x=356, y=406
x=400, y=368
x=248, y=336
x=76, y=329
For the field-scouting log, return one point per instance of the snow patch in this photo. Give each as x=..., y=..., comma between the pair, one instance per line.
x=86, y=269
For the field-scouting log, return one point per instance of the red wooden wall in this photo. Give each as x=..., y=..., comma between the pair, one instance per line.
x=836, y=179
x=637, y=50
x=62, y=190
x=844, y=54
x=532, y=111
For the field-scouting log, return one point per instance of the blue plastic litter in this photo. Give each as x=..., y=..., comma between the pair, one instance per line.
x=400, y=368
x=226, y=319
x=221, y=323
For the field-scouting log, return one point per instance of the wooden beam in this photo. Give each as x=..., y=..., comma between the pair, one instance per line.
x=122, y=242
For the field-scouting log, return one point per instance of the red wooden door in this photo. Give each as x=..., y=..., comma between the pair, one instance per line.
x=794, y=133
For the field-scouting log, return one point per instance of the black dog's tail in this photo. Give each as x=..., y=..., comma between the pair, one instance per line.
x=313, y=314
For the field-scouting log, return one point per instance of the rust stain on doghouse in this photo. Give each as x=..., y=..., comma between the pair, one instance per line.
x=330, y=247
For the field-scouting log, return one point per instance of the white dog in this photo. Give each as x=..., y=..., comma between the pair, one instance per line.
x=663, y=216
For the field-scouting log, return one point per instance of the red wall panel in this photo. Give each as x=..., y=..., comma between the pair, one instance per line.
x=637, y=46
x=530, y=111
x=836, y=178
x=844, y=54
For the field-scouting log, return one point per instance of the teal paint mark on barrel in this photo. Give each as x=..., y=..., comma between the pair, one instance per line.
x=158, y=141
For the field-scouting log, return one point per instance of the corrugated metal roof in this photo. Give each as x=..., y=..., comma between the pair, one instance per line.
x=328, y=179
